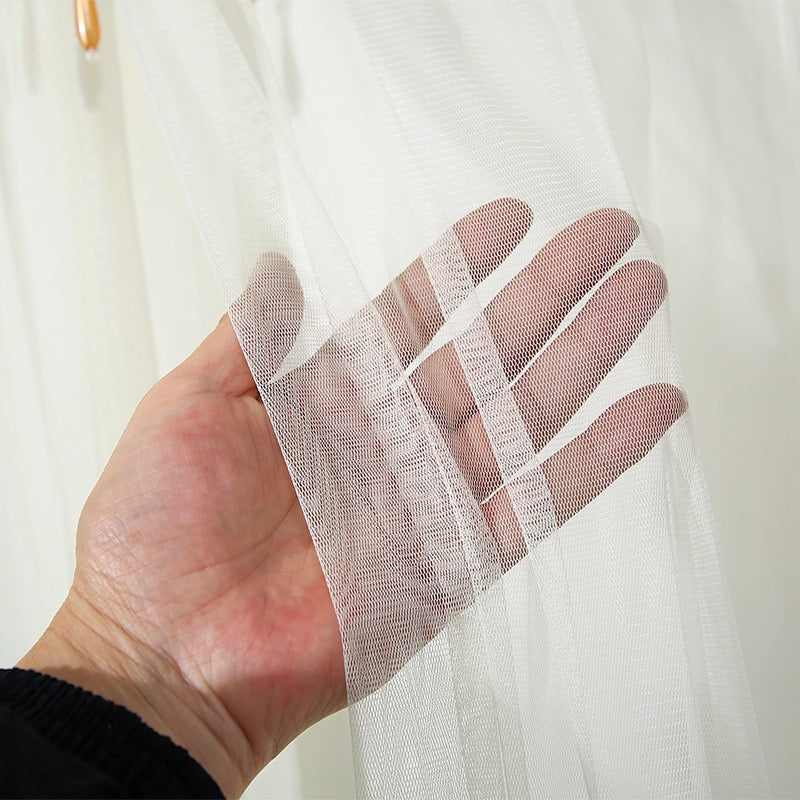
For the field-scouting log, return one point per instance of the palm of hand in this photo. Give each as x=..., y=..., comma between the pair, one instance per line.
x=194, y=534
x=195, y=531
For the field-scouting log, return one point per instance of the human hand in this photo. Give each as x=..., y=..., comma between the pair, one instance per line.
x=199, y=600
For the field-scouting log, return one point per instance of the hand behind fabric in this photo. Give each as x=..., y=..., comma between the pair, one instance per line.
x=199, y=600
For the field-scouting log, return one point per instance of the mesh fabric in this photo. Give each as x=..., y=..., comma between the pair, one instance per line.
x=480, y=406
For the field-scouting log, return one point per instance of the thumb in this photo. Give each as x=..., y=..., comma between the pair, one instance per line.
x=263, y=323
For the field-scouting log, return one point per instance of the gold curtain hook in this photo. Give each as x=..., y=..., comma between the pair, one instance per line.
x=87, y=24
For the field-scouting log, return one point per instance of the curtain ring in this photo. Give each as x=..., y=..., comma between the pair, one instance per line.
x=87, y=25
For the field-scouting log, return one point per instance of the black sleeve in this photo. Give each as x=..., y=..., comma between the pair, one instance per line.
x=57, y=740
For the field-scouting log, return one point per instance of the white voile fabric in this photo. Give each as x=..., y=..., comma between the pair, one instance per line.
x=347, y=139
x=605, y=663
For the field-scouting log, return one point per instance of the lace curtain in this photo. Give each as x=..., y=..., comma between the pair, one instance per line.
x=505, y=633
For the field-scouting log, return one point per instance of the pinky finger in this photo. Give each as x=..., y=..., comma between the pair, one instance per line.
x=582, y=469
x=613, y=443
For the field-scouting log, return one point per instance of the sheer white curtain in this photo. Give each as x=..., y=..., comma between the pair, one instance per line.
x=92, y=278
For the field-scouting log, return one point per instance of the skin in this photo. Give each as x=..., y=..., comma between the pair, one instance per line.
x=198, y=599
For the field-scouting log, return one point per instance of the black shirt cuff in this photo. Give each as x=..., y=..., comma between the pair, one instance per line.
x=59, y=740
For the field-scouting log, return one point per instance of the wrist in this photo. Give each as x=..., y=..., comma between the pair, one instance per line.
x=84, y=647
